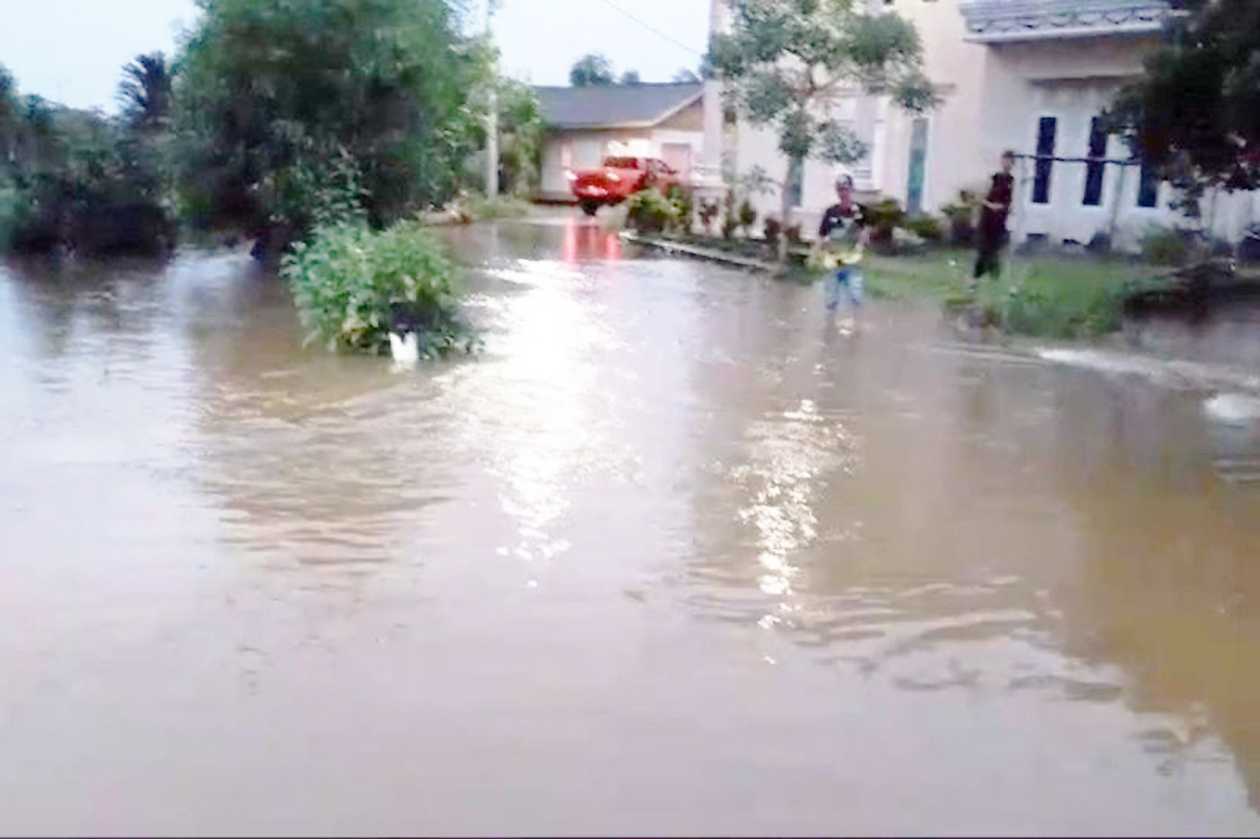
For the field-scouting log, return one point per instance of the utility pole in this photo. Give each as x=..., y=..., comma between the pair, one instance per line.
x=492, y=114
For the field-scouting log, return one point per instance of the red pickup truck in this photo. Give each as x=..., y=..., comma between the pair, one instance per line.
x=618, y=179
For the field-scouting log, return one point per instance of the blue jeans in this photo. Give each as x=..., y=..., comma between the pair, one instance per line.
x=850, y=278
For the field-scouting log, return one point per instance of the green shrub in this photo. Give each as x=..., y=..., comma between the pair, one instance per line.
x=482, y=208
x=11, y=203
x=773, y=230
x=709, y=211
x=884, y=217
x=747, y=216
x=684, y=207
x=962, y=227
x=647, y=211
x=1165, y=246
x=353, y=286
x=926, y=227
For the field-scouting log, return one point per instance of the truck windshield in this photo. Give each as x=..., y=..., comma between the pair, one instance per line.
x=621, y=163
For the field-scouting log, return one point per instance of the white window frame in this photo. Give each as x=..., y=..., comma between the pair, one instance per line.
x=1104, y=198
x=1056, y=167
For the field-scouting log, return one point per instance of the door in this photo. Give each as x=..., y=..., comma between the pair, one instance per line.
x=678, y=156
x=918, y=166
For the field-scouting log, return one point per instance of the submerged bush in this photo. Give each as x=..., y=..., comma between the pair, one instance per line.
x=1165, y=246
x=353, y=286
x=647, y=211
x=926, y=227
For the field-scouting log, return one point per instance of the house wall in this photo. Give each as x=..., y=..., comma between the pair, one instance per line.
x=563, y=150
x=690, y=118
x=758, y=147
x=578, y=149
x=993, y=97
x=957, y=68
x=1074, y=80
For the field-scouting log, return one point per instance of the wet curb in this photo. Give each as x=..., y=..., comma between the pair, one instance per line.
x=707, y=254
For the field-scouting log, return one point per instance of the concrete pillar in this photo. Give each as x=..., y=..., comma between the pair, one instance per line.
x=708, y=175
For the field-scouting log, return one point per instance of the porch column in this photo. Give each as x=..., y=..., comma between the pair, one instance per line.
x=708, y=174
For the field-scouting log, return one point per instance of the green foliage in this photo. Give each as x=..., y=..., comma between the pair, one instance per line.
x=884, y=216
x=353, y=286
x=962, y=227
x=521, y=132
x=1063, y=310
x=1165, y=246
x=926, y=227
x=10, y=208
x=273, y=94
x=592, y=69
x=747, y=216
x=773, y=229
x=709, y=211
x=145, y=92
x=505, y=206
x=1196, y=111
x=684, y=204
x=648, y=211
x=784, y=62
x=75, y=178
x=631, y=77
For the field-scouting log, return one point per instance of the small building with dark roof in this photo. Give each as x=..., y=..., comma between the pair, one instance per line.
x=586, y=124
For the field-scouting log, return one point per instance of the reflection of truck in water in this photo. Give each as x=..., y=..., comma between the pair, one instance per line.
x=619, y=178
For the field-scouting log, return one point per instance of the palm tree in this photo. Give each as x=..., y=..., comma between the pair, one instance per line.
x=145, y=91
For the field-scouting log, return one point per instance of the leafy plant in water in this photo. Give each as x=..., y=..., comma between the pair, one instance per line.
x=747, y=216
x=647, y=211
x=926, y=227
x=773, y=230
x=884, y=217
x=709, y=211
x=1165, y=246
x=353, y=286
x=684, y=208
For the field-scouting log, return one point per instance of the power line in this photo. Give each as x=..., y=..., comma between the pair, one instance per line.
x=652, y=28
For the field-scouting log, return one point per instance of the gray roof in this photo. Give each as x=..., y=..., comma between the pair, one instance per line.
x=614, y=106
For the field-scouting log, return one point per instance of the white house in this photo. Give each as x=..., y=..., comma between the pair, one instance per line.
x=585, y=124
x=1027, y=75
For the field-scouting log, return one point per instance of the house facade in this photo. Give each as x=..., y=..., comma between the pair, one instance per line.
x=1028, y=75
x=586, y=124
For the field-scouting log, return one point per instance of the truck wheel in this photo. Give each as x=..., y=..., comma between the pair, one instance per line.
x=590, y=208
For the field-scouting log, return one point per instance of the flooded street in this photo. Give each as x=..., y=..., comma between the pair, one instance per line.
x=680, y=552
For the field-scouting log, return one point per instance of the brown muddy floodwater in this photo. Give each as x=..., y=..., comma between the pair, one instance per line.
x=677, y=554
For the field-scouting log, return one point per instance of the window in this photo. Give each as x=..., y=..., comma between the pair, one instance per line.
x=1148, y=188
x=1047, y=129
x=796, y=185
x=622, y=163
x=1095, y=170
x=918, y=166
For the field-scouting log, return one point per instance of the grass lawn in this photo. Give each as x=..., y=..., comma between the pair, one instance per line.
x=1043, y=296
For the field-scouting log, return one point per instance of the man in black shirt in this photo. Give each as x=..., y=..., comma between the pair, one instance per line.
x=991, y=234
x=843, y=229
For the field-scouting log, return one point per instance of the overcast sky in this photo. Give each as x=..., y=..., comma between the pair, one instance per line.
x=71, y=50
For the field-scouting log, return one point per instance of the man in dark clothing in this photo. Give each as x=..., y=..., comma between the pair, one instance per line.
x=991, y=235
x=843, y=233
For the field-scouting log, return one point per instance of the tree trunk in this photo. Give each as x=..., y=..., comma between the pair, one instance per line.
x=795, y=165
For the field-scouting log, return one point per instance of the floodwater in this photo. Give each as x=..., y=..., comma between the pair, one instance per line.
x=679, y=553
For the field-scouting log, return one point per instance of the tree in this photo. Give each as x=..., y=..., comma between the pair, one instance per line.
x=591, y=70
x=145, y=91
x=787, y=63
x=631, y=77
x=282, y=106
x=685, y=76
x=1195, y=113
